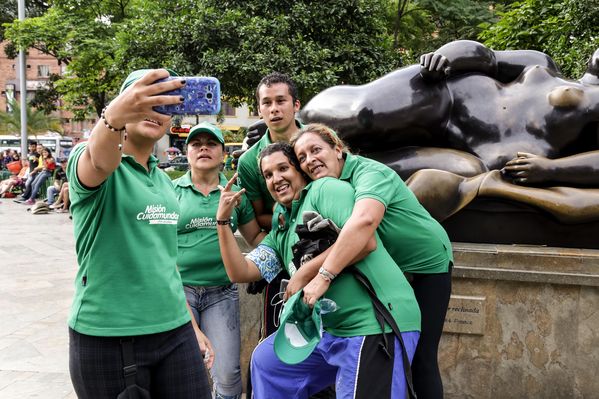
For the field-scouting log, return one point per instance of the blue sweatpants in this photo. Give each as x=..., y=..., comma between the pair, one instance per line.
x=358, y=366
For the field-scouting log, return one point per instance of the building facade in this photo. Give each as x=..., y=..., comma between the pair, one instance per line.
x=39, y=68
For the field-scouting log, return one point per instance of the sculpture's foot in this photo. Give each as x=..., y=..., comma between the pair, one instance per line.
x=443, y=193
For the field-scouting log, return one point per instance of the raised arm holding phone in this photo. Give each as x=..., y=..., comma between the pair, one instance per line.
x=129, y=306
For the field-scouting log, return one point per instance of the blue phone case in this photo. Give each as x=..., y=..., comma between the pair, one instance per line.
x=201, y=96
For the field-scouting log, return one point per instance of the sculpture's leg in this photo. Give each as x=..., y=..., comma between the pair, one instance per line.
x=567, y=204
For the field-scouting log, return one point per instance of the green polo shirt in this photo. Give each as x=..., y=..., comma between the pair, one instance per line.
x=334, y=199
x=199, y=259
x=416, y=241
x=248, y=172
x=126, y=244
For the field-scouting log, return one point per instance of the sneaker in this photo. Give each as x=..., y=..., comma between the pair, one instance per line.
x=29, y=202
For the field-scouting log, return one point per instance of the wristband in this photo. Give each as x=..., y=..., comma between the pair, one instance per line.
x=326, y=274
x=108, y=125
x=223, y=222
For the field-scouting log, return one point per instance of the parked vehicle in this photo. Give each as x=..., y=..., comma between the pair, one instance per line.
x=60, y=146
x=177, y=163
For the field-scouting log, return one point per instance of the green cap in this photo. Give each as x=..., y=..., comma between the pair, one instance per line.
x=299, y=332
x=136, y=75
x=205, y=127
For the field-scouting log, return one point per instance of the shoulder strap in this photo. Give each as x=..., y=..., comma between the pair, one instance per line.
x=129, y=366
x=383, y=315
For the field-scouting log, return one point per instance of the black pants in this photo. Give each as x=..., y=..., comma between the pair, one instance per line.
x=432, y=293
x=169, y=365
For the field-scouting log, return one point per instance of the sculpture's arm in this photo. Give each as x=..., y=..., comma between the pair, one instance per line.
x=579, y=169
x=467, y=56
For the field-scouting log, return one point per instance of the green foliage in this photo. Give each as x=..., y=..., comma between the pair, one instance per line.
x=175, y=174
x=9, y=11
x=37, y=121
x=234, y=137
x=80, y=34
x=46, y=98
x=318, y=44
x=421, y=26
x=566, y=30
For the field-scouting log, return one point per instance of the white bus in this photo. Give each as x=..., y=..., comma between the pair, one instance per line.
x=59, y=145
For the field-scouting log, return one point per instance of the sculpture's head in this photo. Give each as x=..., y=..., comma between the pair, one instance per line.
x=319, y=151
x=282, y=173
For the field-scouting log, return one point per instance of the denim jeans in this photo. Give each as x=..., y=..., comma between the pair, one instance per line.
x=37, y=183
x=51, y=194
x=216, y=310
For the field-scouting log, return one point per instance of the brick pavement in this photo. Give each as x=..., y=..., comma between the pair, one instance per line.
x=38, y=265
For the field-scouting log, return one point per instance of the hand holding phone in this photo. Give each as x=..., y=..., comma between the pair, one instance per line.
x=201, y=96
x=283, y=286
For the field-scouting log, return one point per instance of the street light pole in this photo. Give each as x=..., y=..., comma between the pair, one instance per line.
x=23, y=87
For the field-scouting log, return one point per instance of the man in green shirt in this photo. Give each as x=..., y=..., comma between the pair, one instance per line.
x=277, y=104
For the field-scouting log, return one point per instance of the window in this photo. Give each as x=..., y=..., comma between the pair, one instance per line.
x=228, y=110
x=43, y=71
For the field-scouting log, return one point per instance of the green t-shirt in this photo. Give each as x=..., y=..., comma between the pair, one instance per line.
x=126, y=243
x=416, y=241
x=199, y=259
x=334, y=199
x=249, y=176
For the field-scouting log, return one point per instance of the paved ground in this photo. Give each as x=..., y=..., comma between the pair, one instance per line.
x=37, y=268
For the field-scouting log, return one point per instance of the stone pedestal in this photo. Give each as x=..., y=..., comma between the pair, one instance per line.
x=523, y=322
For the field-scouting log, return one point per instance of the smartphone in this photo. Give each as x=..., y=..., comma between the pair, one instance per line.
x=201, y=96
x=283, y=285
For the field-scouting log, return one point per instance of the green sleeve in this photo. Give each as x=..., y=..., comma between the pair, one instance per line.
x=249, y=177
x=246, y=211
x=376, y=184
x=77, y=190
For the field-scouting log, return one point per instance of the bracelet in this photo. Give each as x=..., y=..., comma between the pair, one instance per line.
x=223, y=222
x=326, y=274
x=108, y=125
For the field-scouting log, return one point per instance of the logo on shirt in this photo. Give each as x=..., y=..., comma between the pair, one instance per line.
x=201, y=223
x=157, y=214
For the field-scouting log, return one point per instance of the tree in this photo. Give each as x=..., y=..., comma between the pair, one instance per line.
x=9, y=11
x=566, y=30
x=421, y=26
x=37, y=121
x=81, y=35
x=319, y=44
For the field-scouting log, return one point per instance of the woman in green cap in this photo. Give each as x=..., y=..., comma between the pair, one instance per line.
x=212, y=297
x=130, y=328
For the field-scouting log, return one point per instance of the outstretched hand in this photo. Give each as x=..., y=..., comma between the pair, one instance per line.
x=255, y=132
x=228, y=199
x=433, y=65
x=528, y=168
